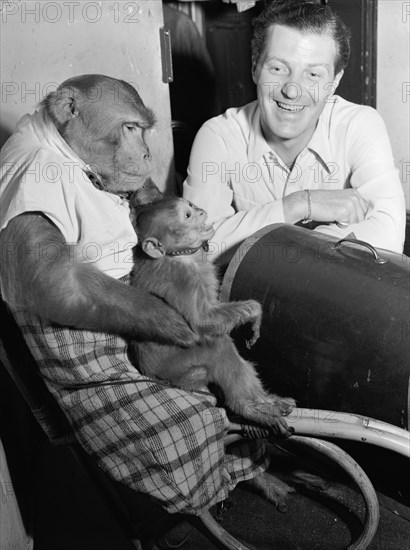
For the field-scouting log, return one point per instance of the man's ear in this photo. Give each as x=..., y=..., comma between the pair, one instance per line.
x=153, y=247
x=254, y=69
x=63, y=104
x=337, y=79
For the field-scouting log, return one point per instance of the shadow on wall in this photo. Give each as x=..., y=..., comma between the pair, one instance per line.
x=5, y=133
x=192, y=92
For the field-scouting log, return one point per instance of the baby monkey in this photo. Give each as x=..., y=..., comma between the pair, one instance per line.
x=169, y=262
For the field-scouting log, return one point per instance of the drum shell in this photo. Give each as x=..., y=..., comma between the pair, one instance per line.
x=336, y=325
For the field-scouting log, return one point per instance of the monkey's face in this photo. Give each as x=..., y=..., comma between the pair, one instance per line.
x=106, y=123
x=187, y=226
x=170, y=225
x=119, y=148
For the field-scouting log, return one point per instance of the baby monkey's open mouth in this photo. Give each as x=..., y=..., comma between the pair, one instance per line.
x=206, y=231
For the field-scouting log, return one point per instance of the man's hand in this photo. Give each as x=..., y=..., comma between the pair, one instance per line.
x=345, y=206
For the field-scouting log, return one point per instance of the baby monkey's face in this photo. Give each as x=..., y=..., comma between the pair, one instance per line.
x=188, y=226
x=172, y=225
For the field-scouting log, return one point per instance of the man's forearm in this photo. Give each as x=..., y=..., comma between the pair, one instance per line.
x=342, y=205
x=296, y=207
x=235, y=229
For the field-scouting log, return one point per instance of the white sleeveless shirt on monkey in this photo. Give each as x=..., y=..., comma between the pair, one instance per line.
x=41, y=173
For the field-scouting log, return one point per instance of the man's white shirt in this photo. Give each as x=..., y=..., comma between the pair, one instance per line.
x=240, y=181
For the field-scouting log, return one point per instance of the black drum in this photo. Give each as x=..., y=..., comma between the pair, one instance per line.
x=336, y=323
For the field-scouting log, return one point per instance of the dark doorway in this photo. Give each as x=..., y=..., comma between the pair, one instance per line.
x=228, y=35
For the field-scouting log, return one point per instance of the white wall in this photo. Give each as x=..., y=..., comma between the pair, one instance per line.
x=393, y=80
x=44, y=43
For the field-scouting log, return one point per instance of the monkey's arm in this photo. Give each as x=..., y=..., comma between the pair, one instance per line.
x=222, y=317
x=39, y=272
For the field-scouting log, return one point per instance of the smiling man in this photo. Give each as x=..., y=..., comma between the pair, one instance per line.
x=299, y=153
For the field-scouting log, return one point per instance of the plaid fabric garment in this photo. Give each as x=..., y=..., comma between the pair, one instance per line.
x=153, y=438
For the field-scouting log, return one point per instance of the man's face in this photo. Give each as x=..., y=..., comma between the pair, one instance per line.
x=294, y=78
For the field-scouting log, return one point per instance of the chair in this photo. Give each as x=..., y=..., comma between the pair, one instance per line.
x=20, y=365
x=18, y=362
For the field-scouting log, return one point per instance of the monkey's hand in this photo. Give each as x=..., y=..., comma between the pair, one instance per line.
x=271, y=413
x=254, y=319
x=225, y=316
x=255, y=327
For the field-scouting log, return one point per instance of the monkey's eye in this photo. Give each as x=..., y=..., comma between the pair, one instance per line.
x=130, y=127
x=188, y=214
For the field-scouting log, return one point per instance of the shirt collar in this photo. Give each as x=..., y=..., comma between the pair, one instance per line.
x=318, y=144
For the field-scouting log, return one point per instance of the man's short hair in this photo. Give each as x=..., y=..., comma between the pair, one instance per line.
x=303, y=16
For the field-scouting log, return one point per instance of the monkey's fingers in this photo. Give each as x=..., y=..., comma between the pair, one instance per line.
x=269, y=414
x=280, y=427
x=252, y=341
x=285, y=404
x=255, y=327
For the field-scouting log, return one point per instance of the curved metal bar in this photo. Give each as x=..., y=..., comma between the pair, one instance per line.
x=220, y=533
x=378, y=259
x=348, y=464
x=325, y=423
x=358, y=475
x=338, y=425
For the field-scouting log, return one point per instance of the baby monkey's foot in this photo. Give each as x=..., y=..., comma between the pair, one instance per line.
x=274, y=489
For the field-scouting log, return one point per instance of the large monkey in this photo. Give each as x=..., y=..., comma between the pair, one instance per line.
x=103, y=120
x=169, y=263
